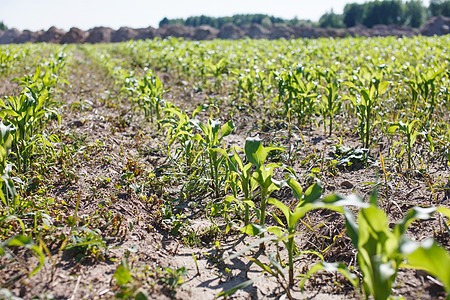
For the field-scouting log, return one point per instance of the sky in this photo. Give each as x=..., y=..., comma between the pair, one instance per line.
x=85, y=14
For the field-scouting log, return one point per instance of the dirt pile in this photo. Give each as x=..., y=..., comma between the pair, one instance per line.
x=124, y=34
x=205, y=32
x=9, y=36
x=74, y=36
x=177, y=31
x=434, y=26
x=256, y=31
x=230, y=32
x=52, y=35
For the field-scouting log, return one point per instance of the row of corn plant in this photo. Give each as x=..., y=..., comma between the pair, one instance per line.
x=24, y=136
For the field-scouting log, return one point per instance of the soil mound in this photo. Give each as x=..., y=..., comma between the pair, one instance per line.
x=281, y=31
x=28, y=36
x=205, y=32
x=8, y=36
x=177, y=31
x=75, y=35
x=436, y=26
x=52, y=35
x=124, y=34
x=146, y=33
x=100, y=35
x=256, y=31
x=230, y=32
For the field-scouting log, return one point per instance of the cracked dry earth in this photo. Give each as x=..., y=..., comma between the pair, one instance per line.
x=109, y=140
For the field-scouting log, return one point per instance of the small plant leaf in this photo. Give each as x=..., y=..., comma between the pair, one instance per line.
x=235, y=288
x=122, y=275
x=253, y=229
x=432, y=258
x=254, y=151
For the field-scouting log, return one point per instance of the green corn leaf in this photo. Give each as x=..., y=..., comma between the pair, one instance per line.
x=422, y=213
x=240, y=286
x=122, y=275
x=296, y=188
x=284, y=209
x=432, y=258
x=253, y=229
x=254, y=151
x=382, y=87
x=227, y=128
x=263, y=266
x=313, y=193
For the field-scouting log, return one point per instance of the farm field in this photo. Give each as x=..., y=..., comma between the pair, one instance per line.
x=247, y=169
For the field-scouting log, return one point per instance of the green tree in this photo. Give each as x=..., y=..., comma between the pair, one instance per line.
x=415, y=13
x=383, y=12
x=439, y=8
x=163, y=22
x=3, y=26
x=354, y=14
x=331, y=20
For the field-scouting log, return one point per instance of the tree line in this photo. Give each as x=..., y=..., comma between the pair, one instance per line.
x=412, y=13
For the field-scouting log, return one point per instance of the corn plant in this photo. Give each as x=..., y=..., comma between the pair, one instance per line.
x=211, y=141
x=7, y=189
x=425, y=86
x=246, y=88
x=181, y=130
x=147, y=93
x=313, y=193
x=330, y=105
x=26, y=242
x=7, y=59
x=366, y=104
x=150, y=99
x=408, y=129
x=256, y=154
x=241, y=176
x=28, y=114
x=310, y=200
x=296, y=95
x=382, y=251
x=218, y=70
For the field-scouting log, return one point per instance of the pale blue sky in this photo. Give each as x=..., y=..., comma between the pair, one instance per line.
x=85, y=14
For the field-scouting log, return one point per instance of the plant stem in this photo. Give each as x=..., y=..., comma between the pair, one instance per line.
x=262, y=219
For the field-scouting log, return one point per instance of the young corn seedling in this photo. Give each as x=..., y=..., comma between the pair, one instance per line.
x=309, y=200
x=211, y=140
x=7, y=189
x=330, y=105
x=150, y=98
x=366, y=105
x=217, y=70
x=313, y=193
x=256, y=154
x=180, y=129
x=408, y=129
x=242, y=179
x=427, y=88
x=246, y=88
x=381, y=252
x=29, y=113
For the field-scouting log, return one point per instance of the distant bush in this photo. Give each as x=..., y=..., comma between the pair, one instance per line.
x=387, y=12
x=3, y=26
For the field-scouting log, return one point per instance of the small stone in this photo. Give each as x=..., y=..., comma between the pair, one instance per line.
x=76, y=123
x=347, y=184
